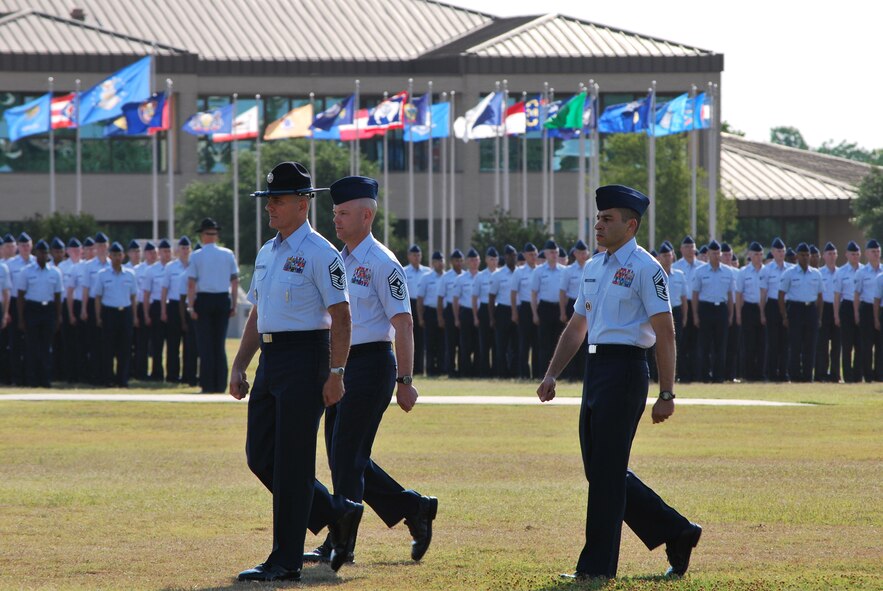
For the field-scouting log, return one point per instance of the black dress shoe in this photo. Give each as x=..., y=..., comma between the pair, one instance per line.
x=321, y=554
x=344, y=532
x=269, y=572
x=420, y=526
x=679, y=550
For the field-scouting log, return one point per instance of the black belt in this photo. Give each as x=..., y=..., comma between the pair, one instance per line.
x=796, y=303
x=115, y=308
x=716, y=304
x=37, y=303
x=366, y=348
x=618, y=351
x=295, y=336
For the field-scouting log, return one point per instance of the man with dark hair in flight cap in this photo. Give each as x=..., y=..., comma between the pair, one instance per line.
x=623, y=308
x=545, y=285
x=522, y=315
x=72, y=330
x=687, y=264
x=863, y=308
x=446, y=291
x=776, y=367
x=568, y=290
x=16, y=336
x=800, y=298
x=748, y=314
x=428, y=316
x=154, y=279
x=116, y=296
x=481, y=305
x=733, y=363
x=57, y=259
x=87, y=312
x=464, y=318
x=844, y=314
x=414, y=271
x=713, y=287
x=174, y=293
x=500, y=305
x=828, y=347
x=39, y=314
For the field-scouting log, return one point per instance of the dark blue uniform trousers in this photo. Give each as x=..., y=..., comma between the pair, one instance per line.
x=753, y=343
x=213, y=312
x=870, y=352
x=803, y=329
x=283, y=421
x=434, y=341
x=547, y=334
x=506, y=342
x=419, y=348
x=452, y=341
x=850, y=344
x=485, y=342
x=158, y=330
x=527, y=343
x=116, y=331
x=712, y=342
x=350, y=428
x=466, y=363
x=95, y=344
x=614, y=397
x=39, y=334
x=776, y=343
x=142, y=341
x=828, y=347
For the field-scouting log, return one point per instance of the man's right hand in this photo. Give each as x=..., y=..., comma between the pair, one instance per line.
x=238, y=384
x=333, y=390
x=546, y=390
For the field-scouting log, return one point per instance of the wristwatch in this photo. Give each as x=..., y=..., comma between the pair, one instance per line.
x=406, y=380
x=667, y=395
x=337, y=370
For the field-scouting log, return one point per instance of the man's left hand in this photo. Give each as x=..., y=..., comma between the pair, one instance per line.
x=662, y=409
x=333, y=390
x=406, y=396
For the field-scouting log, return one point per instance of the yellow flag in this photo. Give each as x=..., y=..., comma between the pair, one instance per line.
x=295, y=123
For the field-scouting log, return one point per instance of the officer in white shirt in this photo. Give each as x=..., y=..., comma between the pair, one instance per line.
x=39, y=314
x=828, y=347
x=173, y=312
x=713, y=287
x=154, y=279
x=863, y=309
x=481, y=290
x=800, y=298
x=545, y=285
x=687, y=264
x=116, y=297
x=748, y=314
x=776, y=367
x=95, y=344
x=844, y=314
x=428, y=316
x=464, y=317
x=522, y=314
x=414, y=271
x=505, y=330
x=446, y=292
x=16, y=337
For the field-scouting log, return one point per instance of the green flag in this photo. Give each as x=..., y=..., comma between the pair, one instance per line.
x=570, y=116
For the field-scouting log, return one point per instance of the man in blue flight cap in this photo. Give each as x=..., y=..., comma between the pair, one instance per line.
x=39, y=314
x=624, y=305
x=800, y=298
x=428, y=315
x=500, y=304
x=844, y=316
x=828, y=347
x=414, y=271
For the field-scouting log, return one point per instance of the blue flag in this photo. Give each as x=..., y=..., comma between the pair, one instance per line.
x=142, y=116
x=105, y=100
x=30, y=118
x=682, y=114
x=626, y=117
x=417, y=111
x=337, y=114
x=441, y=114
x=492, y=114
x=116, y=127
x=209, y=122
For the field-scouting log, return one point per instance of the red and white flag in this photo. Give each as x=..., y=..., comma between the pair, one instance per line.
x=63, y=115
x=516, y=119
x=245, y=127
x=359, y=128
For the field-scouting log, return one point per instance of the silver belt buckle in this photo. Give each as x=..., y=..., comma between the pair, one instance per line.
x=44, y=303
x=593, y=349
x=267, y=338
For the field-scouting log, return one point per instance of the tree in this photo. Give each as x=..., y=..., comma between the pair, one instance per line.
x=202, y=199
x=868, y=204
x=625, y=162
x=502, y=229
x=788, y=136
x=63, y=225
x=727, y=127
x=852, y=151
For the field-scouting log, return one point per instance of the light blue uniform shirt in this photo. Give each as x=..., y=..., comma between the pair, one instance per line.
x=378, y=290
x=446, y=286
x=295, y=281
x=463, y=289
x=687, y=269
x=413, y=277
x=86, y=277
x=677, y=287
x=16, y=264
x=827, y=283
x=714, y=285
x=39, y=285
x=844, y=282
x=153, y=280
x=175, y=274
x=801, y=286
x=619, y=297
x=213, y=267
x=75, y=279
x=66, y=267
x=116, y=289
x=482, y=286
x=5, y=277
x=546, y=282
x=520, y=283
x=428, y=289
x=141, y=272
x=748, y=283
x=770, y=276
x=499, y=286
x=571, y=279
x=866, y=282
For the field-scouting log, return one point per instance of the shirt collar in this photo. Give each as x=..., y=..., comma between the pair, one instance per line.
x=361, y=251
x=625, y=251
x=295, y=239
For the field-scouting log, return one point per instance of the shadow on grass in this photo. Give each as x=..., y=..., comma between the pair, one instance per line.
x=309, y=577
x=647, y=582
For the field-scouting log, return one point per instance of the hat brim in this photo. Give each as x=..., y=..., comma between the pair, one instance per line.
x=271, y=193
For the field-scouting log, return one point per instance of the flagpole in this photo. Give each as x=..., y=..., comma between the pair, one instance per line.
x=235, y=161
x=552, y=175
x=694, y=164
x=453, y=224
x=79, y=175
x=545, y=165
x=581, y=190
x=410, y=166
x=524, y=163
x=595, y=160
x=506, y=205
x=52, y=202
x=356, y=149
x=313, y=158
x=444, y=179
x=155, y=150
x=430, y=209
x=712, y=164
x=257, y=179
x=170, y=166
x=651, y=165
x=385, y=181
x=497, y=157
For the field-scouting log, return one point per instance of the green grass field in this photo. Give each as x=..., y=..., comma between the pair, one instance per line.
x=158, y=496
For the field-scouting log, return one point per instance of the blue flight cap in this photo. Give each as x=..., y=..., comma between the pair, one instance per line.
x=41, y=245
x=289, y=178
x=89, y=241
x=872, y=244
x=197, y=247
x=472, y=253
x=813, y=249
x=561, y=252
x=670, y=245
x=116, y=247
x=149, y=246
x=755, y=247
x=101, y=238
x=725, y=247
x=57, y=244
x=415, y=249
x=611, y=196
x=529, y=247
x=777, y=243
x=803, y=247
x=23, y=237
x=714, y=245
x=164, y=244
x=184, y=241
x=492, y=252
x=133, y=245
x=664, y=248
x=74, y=243
x=704, y=249
x=769, y=255
x=437, y=256
x=571, y=251
x=542, y=255
x=520, y=256
x=550, y=245
x=829, y=247
x=457, y=254
x=580, y=245
x=509, y=249
x=353, y=187
x=653, y=253
x=790, y=252
x=852, y=246
x=688, y=240
x=9, y=238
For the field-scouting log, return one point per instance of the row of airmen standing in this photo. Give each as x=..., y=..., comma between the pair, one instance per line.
x=82, y=315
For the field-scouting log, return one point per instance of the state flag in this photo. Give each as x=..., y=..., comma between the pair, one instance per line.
x=105, y=100
x=295, y=123
x=64, y=111
x=245, y=127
